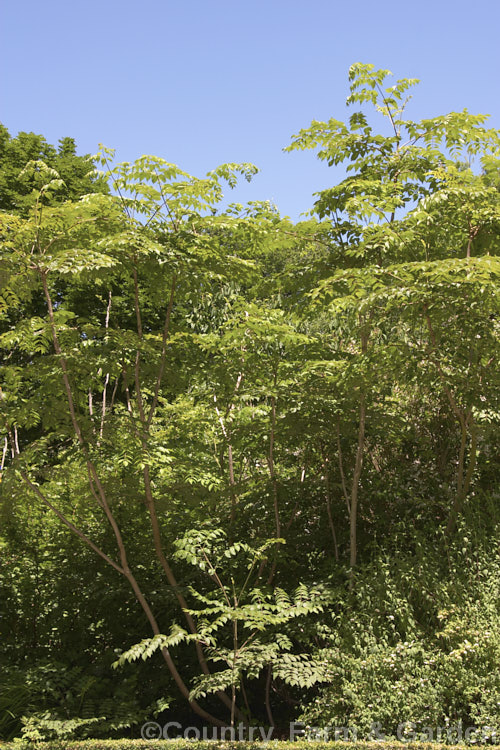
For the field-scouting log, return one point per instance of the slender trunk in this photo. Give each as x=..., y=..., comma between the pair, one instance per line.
x=227, y=436
x=293, y=514
x=473, y=232
x=150, y=502
x=464, y=487
x=466, y=422
x=124, y=569
x=106, y=380
x=274, y=483
x=167, y=657
x=329, y=511
x=341, y=469
x=268, y=698
x=235, y=657
x=95, y=482
x=245, y=697
x=68, y=523
x=4, y=454
x=231, y=483
x=358, y=465
x=173, y=581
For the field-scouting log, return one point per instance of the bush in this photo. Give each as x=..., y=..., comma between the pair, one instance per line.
x=222, y=745
x=421, y=647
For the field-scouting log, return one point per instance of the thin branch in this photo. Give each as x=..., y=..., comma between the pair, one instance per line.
x=67, y=523
x=341, y=468
x=464, y=420
x=267, y=699
x=358, y=465
x=67, y=231
x=166, y=331
x=227, y=436
x=215, y=575
x=296, y=506
x=117, y=188
x=329, y=510
x=4, y=454
x=137, y=367
x=272, y=475
x=175, y=223
x=96, y=486
x=462, y=494
x=103, y=409
x=113, y=395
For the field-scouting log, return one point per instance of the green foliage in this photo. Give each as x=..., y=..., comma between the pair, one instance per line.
x=44, y=727
x=133, y=744
x=26, y=161
x=253, y=618
x=422, y=649
x=252, y=462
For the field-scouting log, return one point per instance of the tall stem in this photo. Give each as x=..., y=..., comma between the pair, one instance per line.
x=145, y=422
x=272, y=475
x=358, y=466
x=329, y=509
x=465, y=421
x=268, y=696
x=94, y=480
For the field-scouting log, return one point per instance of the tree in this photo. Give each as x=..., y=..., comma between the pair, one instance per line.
x=19, y=185
x=329, y=383
x=94, y=245
x=405, y=224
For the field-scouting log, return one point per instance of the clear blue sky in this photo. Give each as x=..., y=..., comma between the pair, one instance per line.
x=201, y=82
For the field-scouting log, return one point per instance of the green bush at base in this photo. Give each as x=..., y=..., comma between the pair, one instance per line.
x=223, y=745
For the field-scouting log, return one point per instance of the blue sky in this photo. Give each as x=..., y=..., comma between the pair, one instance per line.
x=204, y=82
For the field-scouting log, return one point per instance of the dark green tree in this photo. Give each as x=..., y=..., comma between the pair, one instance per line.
x=19, y=185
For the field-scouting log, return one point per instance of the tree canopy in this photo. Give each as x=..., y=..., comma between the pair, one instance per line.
x=257, y=457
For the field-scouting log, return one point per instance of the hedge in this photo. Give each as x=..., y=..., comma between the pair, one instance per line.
x=137, y=744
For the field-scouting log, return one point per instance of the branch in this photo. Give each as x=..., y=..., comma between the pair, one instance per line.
x=358, y=465
x=67, y=523
x=329, y=509
x=137, y=367
x=166, y=331
x=341, y=467
x=272, y=475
